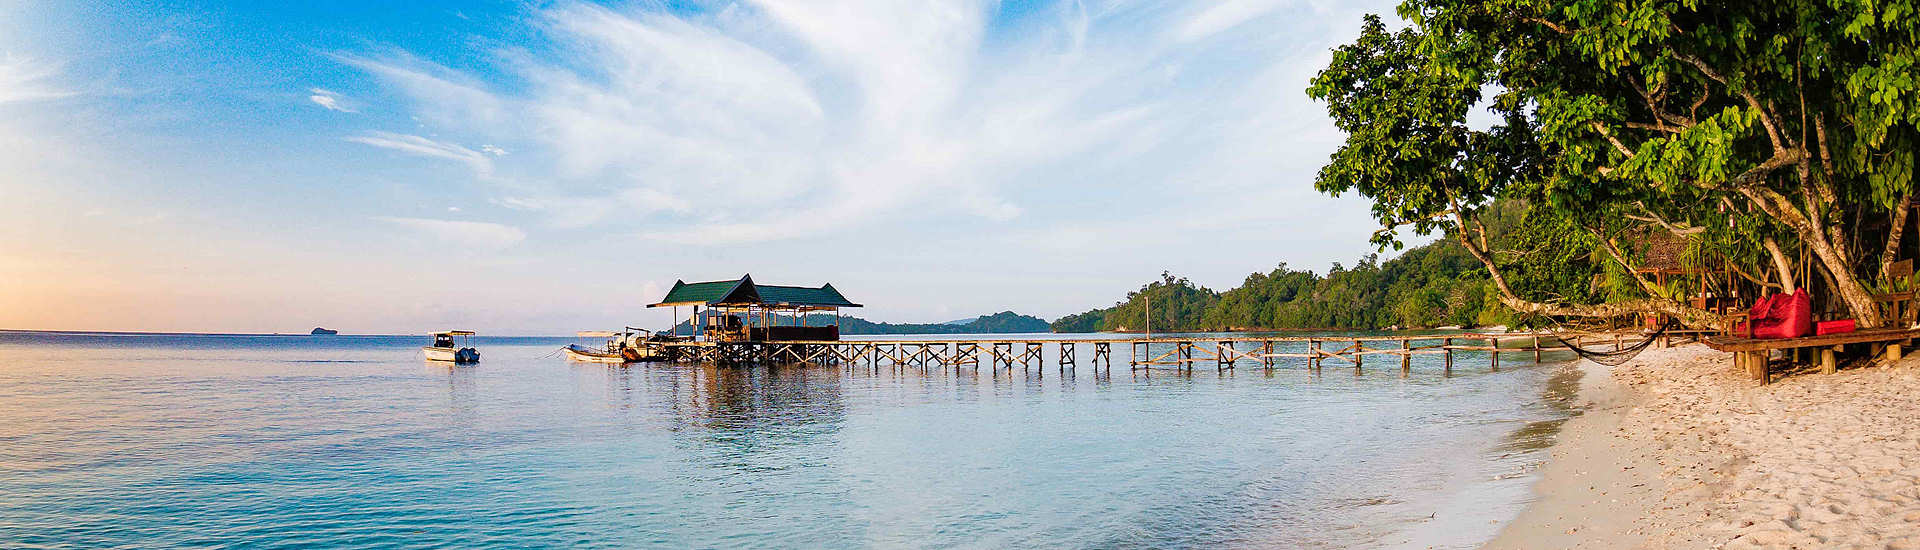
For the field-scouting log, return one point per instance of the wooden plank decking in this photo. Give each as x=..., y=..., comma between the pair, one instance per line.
x=1751, y=353
x=1180, y=352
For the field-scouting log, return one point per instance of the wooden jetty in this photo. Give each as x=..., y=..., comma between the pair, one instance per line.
x=1222, y=352
x=740, y=322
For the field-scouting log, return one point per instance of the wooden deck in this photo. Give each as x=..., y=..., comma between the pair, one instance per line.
x=1751, y=353
x=1184, y=352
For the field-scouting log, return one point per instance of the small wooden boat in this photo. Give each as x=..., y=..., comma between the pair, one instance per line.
x=627, y=346
x=444, y=348
x=585, y=354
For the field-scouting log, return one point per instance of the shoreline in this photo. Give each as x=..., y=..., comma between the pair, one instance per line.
x=1676, y=450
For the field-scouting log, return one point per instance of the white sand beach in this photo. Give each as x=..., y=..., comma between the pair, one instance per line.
x=1677, y=449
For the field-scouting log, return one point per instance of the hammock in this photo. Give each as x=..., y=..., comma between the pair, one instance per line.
x=1619, y=355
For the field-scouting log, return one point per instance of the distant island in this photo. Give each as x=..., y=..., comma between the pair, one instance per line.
x=317, y=331
x=1004, y=322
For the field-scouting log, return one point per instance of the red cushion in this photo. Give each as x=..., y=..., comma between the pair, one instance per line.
x=1785, y=316
x=1834, y=327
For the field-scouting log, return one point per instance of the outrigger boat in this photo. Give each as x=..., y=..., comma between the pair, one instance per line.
x=444, y=349
x=627, y=346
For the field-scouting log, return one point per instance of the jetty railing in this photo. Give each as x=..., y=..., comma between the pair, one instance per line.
x=1182, y=352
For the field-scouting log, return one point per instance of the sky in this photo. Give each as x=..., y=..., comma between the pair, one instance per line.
x=546, y=167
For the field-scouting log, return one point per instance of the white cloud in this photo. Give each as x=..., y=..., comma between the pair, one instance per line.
x=24, y=79
x=442, y=94
x=423, y=147
x=1221, y=16
x=842, y=114
x=329, y=100
x=470, y=234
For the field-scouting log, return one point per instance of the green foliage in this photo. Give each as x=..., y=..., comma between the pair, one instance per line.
x=1736, y=122
x=1433, y=285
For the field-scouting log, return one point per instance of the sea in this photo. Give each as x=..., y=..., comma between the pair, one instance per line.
x=259, y=441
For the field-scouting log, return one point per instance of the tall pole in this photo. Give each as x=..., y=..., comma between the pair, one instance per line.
x=1149, y=317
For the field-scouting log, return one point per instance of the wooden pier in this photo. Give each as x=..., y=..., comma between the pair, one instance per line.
x=741, y=322
x=1178, y=352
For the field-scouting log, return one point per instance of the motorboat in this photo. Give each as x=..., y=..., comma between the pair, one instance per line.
x=445, y=348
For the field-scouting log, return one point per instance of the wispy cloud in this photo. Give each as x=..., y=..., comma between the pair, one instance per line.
x=24, y=79
x=423, y=147
x=330, y=100
x=850, y=113
x=471, y=234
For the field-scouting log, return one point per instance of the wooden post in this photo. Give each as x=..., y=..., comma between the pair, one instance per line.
x=1828, y=363
x=1536, y=349
x=1495, y=352
x=1893, y=352
x=1313, y=354
x=1358, y=356
x=1406, y=357
x=1447, y=346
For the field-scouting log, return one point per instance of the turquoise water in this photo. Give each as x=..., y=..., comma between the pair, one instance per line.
x=296, y=441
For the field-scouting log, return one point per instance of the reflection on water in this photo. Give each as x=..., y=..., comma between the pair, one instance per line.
x=264, y=441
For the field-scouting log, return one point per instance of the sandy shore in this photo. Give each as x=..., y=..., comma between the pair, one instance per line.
x=1677, y=450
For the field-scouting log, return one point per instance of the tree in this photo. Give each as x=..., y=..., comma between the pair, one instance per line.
x=1751, y=128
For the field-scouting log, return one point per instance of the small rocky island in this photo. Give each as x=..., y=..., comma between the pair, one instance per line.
x=317, y=331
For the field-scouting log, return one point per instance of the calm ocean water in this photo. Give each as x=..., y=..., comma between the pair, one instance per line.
x=296, y=441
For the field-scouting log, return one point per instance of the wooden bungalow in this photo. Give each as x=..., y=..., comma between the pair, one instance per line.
x=1662, y=262
x=740, y=310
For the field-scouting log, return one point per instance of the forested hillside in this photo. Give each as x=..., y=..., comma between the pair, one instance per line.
x=1438, y=284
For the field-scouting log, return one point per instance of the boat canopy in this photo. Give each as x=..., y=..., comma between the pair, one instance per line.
x=451, y=333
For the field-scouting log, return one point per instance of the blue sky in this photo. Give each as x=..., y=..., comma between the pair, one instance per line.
x=546, y=167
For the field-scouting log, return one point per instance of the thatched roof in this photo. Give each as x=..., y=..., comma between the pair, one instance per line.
x=1662, y=251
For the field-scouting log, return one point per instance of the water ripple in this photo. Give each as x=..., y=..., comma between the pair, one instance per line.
x=271, y=442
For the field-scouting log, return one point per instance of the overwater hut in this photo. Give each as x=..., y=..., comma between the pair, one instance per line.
x=740, y=310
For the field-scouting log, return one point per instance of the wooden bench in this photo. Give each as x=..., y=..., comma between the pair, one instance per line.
x=1751, y=353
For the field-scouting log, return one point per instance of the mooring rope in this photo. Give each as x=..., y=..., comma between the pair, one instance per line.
x=1619, y=355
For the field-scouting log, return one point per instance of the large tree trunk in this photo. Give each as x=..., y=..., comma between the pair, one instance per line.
x=1782, y=265
x=1833, y=256
x=1892, y=249
x=1860, y=303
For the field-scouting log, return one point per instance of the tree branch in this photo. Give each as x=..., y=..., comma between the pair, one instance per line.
x=1602, y=129
x=1690, y=316
x=1766, y=117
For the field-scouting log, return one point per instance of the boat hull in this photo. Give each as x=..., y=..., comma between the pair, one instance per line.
x=451, y=355
x=578, y=353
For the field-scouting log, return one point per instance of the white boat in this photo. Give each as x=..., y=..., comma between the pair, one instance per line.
x=444, y=348
x=622, y=347
x=585, y=354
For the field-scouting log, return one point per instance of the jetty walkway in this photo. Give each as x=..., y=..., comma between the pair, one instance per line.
x=1183, y=352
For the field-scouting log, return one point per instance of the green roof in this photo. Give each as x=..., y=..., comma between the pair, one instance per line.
x=743, y=291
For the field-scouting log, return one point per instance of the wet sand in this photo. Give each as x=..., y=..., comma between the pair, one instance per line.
x=1677, y=450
